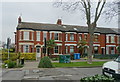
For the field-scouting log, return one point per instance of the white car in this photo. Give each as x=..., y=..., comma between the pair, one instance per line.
x=112, y=68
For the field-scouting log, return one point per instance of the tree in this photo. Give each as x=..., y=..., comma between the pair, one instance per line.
x=50, y=45
x=81, y=46
x=91, y=20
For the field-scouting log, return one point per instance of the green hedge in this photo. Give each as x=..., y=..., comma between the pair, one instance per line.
x=28, y=56
x=106, y=56
x=14, y=56
x=97, y=78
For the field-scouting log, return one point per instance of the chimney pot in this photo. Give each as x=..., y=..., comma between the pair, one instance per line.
x=19, y=19
x=59, y=22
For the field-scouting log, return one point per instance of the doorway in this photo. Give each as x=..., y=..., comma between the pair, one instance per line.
x=38, y=52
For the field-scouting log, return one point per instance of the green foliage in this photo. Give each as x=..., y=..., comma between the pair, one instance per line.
x=97, y=78
x=51, y=44
x=45, y=63
x=9, y=64
x=15, y=56
x=81, y=46
x=106, y=56
x=28, y=56
x=118, y=49
x=55, y=59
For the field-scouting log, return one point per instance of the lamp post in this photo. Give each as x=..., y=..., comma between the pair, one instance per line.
x=8, y=46
x=44, y=47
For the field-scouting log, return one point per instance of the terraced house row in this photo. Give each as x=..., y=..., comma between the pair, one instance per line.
x=29, y=38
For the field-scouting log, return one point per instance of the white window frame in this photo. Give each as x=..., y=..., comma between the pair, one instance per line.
x=38, y=36
x=112, y=39
x=57, y=36
x=26, y=35
x=20, y=34
x=80, y=37
x=71, y=48
x=25, y=49
x=107, y=39
x=72, y=37
x=66, y=35
x=66, y=49
x=32, y=35
x=55, y=49
x=50, y=36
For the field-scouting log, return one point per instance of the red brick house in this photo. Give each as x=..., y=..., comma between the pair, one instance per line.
x=29, y=38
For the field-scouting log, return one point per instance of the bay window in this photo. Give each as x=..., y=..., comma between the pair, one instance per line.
x=38, y=36
x=26, y=35
x=71, y=37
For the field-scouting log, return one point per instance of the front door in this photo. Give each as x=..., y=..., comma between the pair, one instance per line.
x=37, y=52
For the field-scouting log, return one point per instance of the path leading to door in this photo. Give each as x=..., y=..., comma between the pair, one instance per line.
x=31, y=64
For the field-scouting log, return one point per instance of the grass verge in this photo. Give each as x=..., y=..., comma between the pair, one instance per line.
x=79, y=64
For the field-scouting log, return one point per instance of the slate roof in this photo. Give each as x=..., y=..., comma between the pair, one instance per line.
x=65, y=28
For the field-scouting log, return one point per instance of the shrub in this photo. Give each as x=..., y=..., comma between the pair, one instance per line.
x=14, y=56
x=45, y=63
x=55, y=59
x=28, y=56
x=10, y=64
x=97, y=78
x=106, y=56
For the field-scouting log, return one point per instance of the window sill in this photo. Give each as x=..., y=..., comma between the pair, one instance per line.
x=70, y=41
x=26, y=40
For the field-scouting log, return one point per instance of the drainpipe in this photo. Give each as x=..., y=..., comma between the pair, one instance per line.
x=105, y=43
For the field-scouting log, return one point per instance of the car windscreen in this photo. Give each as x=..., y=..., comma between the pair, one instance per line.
x=118, y=59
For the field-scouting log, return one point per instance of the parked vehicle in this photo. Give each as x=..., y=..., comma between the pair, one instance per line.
x=112, y=68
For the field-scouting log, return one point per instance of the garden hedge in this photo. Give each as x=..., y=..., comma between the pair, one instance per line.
x=14, y=56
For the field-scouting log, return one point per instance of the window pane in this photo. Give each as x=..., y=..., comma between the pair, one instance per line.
x=71, y=49
x=112, y=39
x=25, y=48
x=71, y=36
x=56, y=49
x=56, y=36
x=107, y=39
x=45, y=35
x=38, y=36
x=66, y=37
x=26, y=35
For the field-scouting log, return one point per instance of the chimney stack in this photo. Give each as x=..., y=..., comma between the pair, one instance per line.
x=19, y=19
x=59, y=21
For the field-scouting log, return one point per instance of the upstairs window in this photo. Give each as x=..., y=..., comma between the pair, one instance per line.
x=45, y=35
x=56, y=36
x=38, y=36
x=118, y=39
x=20, y=35
x=66, y=37
x=26, y=35
x=50, y=35
x=85, y=36
x=112, y=39
x=96, y=38
x=80, y=37
x=71, y=37
x=107, y=39
x=32, y=36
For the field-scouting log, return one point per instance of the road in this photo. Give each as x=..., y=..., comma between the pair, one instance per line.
x=50, y=73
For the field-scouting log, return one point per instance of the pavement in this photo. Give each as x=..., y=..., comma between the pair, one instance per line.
x=30, y=71
x=50, y=73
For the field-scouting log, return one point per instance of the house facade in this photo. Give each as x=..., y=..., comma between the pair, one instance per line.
x=30, y=38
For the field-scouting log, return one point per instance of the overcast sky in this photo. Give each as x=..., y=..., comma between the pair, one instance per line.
x=40, y=12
